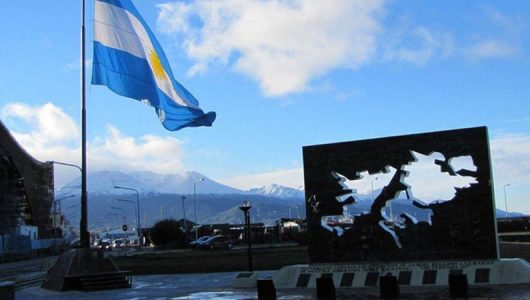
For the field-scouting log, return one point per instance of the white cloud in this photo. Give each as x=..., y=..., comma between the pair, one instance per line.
x=174, y=17
x=287, y=177
x=148, y=152
x=281, y=44
x=286, y=45
x=417, y=45
x=53, y=135
x=490, y=49
x=50, y=123
x=511, y=159
x=512, y=24
x=501, y=36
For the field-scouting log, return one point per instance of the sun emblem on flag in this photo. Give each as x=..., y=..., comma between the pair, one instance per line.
x=156, y=65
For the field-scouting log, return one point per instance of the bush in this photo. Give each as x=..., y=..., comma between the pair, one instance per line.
x=167, y=234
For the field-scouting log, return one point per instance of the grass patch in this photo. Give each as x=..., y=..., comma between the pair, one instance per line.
x=207, y=261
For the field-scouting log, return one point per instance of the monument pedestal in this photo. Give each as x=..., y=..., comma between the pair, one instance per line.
x=435, y=273
x=245, y=280
x=85, y=269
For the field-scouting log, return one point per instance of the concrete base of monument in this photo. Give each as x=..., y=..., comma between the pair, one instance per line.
x=245, y=280
x=435, y=273
x=85, y=269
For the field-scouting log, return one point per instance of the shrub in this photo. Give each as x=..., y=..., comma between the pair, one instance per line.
x=167, y=234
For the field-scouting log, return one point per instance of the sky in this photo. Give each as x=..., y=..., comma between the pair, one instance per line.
x=280, y=75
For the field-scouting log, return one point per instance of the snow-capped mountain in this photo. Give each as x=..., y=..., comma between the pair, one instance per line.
x=103, y=182
x=277, y=190
x=160, y=197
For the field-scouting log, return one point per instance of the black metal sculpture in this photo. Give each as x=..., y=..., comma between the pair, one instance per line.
x=409, y=218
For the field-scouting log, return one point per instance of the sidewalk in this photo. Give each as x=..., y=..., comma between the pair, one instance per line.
x=174, y=286
x=219, y=286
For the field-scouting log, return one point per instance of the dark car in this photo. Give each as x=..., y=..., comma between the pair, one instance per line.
x=217, y=242
x=197, y=242
x=118, y=243
x=104, y=244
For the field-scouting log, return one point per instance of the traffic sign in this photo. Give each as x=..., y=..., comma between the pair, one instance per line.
x=124, y=227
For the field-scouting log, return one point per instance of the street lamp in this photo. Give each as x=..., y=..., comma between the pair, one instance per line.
x=115, y=215
x=506, y=202
x=124, y=213
x=66, y=164
x=139, y=228
x=246, y=210
x=71, y=216
x=83, y=223
x=195, y=206
x=59, y=200
x=134, y=205
x=72, y=206
x=184, y=218
x=54, y=219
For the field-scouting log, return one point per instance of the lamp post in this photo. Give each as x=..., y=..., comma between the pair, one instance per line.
x=54, y=219
x=124, y=213
x=505, y=201
x=134, y=205
x=72, y=206
x=184, y=218
x=195, y=206
x=83, y=222
x=246, y=210
x=115, y=215
x=70, y=216
x=138, y=225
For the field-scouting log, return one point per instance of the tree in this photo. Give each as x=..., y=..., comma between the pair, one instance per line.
x=167, y=234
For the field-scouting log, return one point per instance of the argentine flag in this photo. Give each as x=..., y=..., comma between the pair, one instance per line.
x=129, y=61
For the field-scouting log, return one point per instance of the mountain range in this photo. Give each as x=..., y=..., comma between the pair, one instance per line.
x=103, y=182
x=161, y=196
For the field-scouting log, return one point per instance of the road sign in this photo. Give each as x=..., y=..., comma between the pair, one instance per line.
x=124, y=227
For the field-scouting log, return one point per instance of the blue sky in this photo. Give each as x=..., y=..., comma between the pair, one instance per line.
x=280, y=75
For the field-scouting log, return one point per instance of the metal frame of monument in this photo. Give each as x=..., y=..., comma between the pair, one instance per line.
x=459, y=228
x=423, y=240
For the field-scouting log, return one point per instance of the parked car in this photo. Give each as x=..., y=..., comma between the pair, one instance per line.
x=131, y=243
x=104, y=244
x=197, y=242
x=217, y=242
x=119, y=243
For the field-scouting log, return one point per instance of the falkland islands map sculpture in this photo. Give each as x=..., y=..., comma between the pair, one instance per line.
x=432, y=198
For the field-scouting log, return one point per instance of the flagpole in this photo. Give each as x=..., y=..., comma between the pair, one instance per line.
x=83, y=228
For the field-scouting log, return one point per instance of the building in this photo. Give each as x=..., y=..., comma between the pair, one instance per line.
x=26, y=188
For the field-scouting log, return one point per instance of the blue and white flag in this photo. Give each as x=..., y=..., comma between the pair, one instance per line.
x=129, y=61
